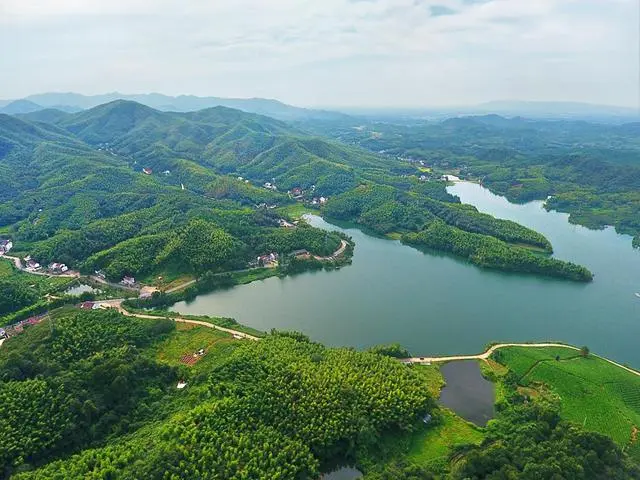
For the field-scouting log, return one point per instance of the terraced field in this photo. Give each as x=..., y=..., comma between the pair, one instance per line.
x=593, y=393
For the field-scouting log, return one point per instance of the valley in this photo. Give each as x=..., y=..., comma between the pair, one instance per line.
x=187, y=236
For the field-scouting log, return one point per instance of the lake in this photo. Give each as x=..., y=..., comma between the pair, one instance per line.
x=467, y=392
x=436, y=304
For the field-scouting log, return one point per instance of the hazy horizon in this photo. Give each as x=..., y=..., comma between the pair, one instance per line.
x=328, y=107
x=331, y=54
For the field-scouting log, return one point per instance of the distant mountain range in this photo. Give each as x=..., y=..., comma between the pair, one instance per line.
x=508, y=108
x=74, y=102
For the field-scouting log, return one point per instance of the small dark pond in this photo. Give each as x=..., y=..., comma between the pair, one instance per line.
x=467, y=392
x=344, y=473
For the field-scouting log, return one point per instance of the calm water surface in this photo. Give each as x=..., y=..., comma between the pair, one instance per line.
x=436, y=304
x=467, y=392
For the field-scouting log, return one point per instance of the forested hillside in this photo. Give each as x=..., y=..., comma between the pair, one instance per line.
x=134, y=191
x=94, y=395
x=85, y=396
x=84, y=200
x=590, y=171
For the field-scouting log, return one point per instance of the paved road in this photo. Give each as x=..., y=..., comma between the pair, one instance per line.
x=18, y=263
x=236, y=333
x=481, y=356
x=97, y=279
x=487, y=354
x=337, y=253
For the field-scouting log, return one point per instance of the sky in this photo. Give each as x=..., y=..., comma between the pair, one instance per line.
x=367, y=53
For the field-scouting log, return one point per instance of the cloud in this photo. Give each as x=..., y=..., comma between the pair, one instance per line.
x=384, y=52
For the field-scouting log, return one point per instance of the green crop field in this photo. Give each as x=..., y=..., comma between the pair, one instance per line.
x=594, y=393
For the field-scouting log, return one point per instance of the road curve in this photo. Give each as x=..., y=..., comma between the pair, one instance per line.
x=236, y=333
x=485, y=355
x=18, y=263
x=482, y=356
x=337, y=253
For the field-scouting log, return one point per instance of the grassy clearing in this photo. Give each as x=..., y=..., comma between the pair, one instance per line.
x=226, y=323
x=433, y=445
x=296, y=210
x=218, y=321
x=187, y=339
x=592, y=392
x=253, y=275
x=495, y=372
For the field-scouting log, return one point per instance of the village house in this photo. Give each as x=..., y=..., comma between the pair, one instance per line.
x=58, y=268
x=5, y=246
x=147, y=171
x=283, y=223
x=297, y=192
x=323, y=200
x=270, y=186
x=270, y=260
x=301, y=254
x=128, y=281
x=32, y=264
x=86, y=305
x=100, y=274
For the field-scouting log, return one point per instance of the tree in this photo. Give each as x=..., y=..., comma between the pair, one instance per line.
x=584, y=351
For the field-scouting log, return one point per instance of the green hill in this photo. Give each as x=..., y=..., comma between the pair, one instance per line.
x=117, y=186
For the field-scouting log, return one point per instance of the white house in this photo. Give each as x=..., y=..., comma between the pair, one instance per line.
x=128, y=281
x=5, y=246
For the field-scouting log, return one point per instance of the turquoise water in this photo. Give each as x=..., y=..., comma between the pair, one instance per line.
x=437, y=304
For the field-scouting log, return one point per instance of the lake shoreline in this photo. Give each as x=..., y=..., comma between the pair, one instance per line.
x=393, y=293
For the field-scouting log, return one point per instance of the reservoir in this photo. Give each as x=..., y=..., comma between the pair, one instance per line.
x=467, y=392
x=435, y=304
